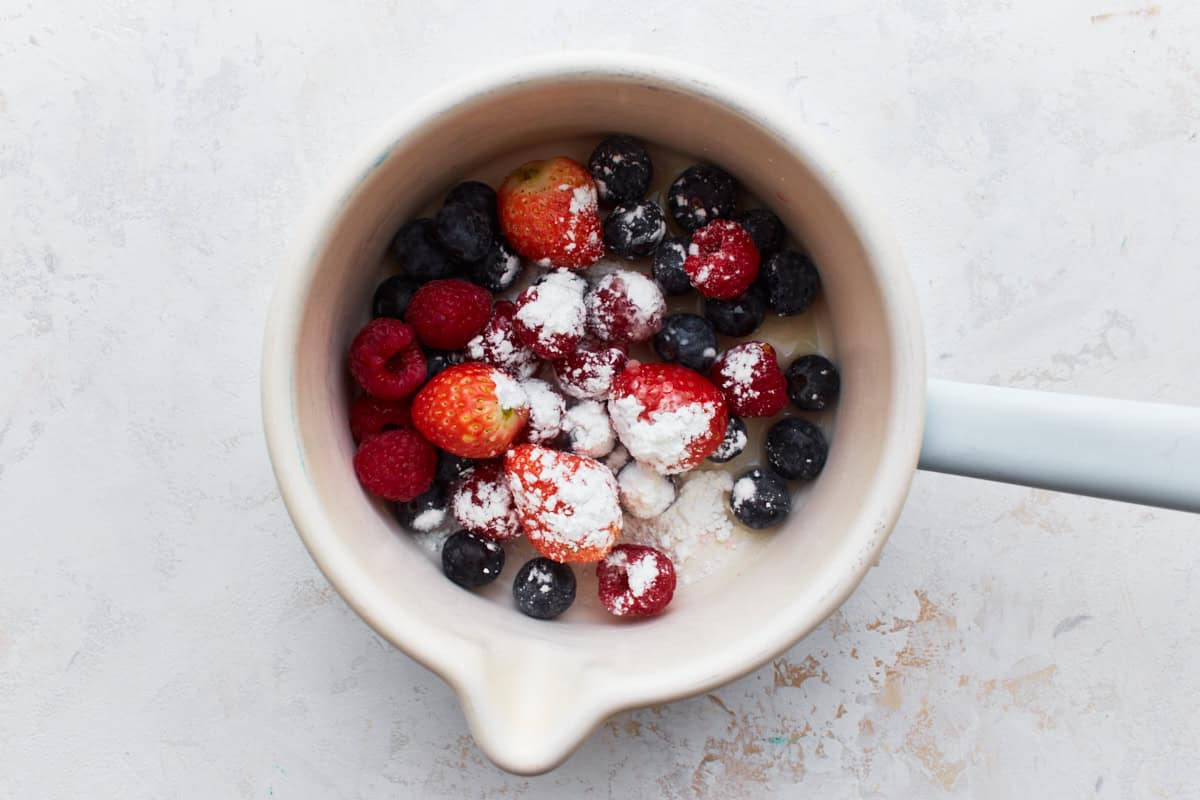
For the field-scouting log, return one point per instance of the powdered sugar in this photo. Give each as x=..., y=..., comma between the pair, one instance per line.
x=546, y=409
x=589, y=430
x=509, y=394
x=641, y=573
x=618, y=458
x=744, y=490
x=588, y=374
x=483, y=503
x=663, y=438
x=644, y=492
x=583, y=199
x=553, y=313
x=429, y=519
x=696, y=531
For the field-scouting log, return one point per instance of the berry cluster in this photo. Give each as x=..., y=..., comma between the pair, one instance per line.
x=502, y=417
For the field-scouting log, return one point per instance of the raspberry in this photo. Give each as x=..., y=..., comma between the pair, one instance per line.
x=550, y=314
x=447, y=314
x=587, y=374
x=386, y=360
x=635, y=580
x=483, y=503
x=751, y=380
x=722, y=261
x=369, y=416
x=624, y=308
x=497, y=344
x=546, y=409
x=567, y=504
x=396, y=465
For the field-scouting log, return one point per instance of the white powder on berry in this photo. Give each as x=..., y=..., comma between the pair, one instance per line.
x=644, y=493
x=583, y=199
x=554, y=306
x=589, y=430
x=546, y=409
x=429, y=519
x=663, y=439
x=497, y=345
x=696, y=532
x=509, y=394
x=618, y=458
x=580, y=512
x=730, y=447
x=743, y=491
x=641, y=574
x=739, y=366
x=484, y=506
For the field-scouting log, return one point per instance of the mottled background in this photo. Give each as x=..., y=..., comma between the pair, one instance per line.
x=164, y=635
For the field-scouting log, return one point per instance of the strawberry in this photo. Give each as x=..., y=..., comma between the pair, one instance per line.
x=471, y=410
x=568, y=504
x=549, y=213
x=667, y=416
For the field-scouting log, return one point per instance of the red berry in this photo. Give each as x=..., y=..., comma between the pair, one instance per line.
x=751, y=380
x=635, y=580
x=624, y=308
x=396, y=465
x=567, y=504
x=386, y=360
x=667, y=416
x=471, y=410
x=370, y=415
x=447, y=314
x=550, y=314
x=549, y=212
x=722, y=261
x=587, y=373
x=497, y=344
x=483, y=503
x=546, y=411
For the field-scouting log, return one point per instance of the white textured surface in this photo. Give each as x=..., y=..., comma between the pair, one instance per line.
x=162, y=632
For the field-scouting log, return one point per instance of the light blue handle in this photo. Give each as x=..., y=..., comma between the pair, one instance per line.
x=1145, y=453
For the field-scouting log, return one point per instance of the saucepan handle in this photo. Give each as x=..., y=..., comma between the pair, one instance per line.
x=1146, y=453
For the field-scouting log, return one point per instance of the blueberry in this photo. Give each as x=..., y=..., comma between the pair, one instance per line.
x=793, y=282
x=734, y=442
x=739, y=316
x=759, y=499
x=392, y=296
x=765, y=229
x=701, y=194
x=451, y=467
x=621, y=169
x=479, y=196
x=634, y=230
x=425, y=512
x=543, y=588
x=470, y=560
x=497, y=270
x=419, y=257
x=438, y=360
x=796, y=449
x=667, y=265
x=813, y=382
x=463, y=232
x=687, y=339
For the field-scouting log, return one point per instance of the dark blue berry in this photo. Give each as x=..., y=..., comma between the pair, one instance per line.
x=734, y=442
x=451, y=467
x=634, y=230
x=543, y=588
x=392, y=296
x=739, y=316
x=765, y=229
x=701, y=194
x=499, y=269
x=425, y=512
x=667, y=265
x=418, y=254
x=479, y=196
x=687, y=339
x=813, y=382
x=759, y=499
x=463, y=232
x=470, y=560
x=793, y=282
x=621, y=169
x=438, y=360
x=796, y=449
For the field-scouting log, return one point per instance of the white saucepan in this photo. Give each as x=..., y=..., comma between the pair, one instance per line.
x=532, y=690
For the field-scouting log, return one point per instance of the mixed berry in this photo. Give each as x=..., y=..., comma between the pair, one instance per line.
x=541, y=368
